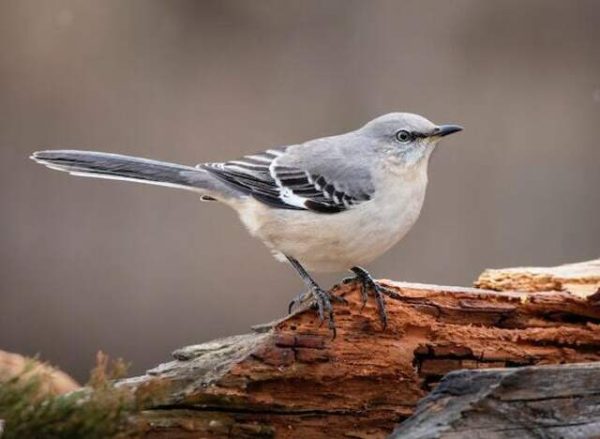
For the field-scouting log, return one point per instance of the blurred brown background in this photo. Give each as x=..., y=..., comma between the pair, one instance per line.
x=138, y=270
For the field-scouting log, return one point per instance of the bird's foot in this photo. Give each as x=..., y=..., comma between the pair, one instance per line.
x=321, y=300
x=368, y=284
x=302, y=299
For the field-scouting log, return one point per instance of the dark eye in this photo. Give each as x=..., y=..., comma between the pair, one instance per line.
x=403, y=136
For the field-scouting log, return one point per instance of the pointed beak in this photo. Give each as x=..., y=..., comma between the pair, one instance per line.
x=444, y=130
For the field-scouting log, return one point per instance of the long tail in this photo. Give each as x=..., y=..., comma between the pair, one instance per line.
x=122, y=167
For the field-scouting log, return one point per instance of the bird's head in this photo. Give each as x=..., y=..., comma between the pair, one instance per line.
x=406, y=138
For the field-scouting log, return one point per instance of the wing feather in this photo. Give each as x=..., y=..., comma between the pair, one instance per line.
x=287, y=185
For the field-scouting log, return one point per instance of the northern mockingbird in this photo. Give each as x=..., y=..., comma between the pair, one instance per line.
x=326, y=205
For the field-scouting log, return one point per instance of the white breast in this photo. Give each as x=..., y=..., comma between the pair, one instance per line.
x=336, y=242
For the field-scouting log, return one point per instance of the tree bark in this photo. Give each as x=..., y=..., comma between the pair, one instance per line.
x=289, y=378
x=526, y=403
x=581, y=278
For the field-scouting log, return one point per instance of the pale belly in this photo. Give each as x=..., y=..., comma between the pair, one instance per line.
x=336, y=242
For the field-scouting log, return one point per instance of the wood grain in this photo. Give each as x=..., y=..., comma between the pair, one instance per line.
x=290, y=379
x=561, y=402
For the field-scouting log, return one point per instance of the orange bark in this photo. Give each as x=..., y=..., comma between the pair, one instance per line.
x=291, y=379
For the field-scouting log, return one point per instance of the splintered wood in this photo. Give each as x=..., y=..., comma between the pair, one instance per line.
x=525, y=403
x=582, y=278
x=290, y=379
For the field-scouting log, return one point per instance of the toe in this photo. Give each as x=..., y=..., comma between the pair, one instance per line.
x=338, y=299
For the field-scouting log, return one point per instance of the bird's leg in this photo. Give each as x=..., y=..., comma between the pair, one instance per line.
x=306, y=296
x=322, y=298
x=367, y=283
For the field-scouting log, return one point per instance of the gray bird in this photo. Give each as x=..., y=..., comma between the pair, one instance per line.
x=326, y=205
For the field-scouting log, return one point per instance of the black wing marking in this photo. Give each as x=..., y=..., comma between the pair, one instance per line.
x=252, y=176
x=317, y=193
x=283, y=187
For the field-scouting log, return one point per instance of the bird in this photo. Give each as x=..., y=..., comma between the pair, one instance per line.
x=329, y=204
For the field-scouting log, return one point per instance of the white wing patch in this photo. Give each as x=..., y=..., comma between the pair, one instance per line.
x=286, y=193
x=283, y=186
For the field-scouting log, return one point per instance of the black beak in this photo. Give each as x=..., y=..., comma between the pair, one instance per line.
x=444, y=130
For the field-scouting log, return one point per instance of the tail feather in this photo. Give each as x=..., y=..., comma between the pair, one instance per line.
x=122, y=167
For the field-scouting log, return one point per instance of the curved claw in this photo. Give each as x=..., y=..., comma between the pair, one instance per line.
x=369, y=284
x=297, y=300
x=321, y=300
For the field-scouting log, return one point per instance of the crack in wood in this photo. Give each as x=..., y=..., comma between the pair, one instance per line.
x=290, y=379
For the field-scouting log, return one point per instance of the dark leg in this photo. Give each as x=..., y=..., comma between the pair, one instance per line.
x=322, y=298
x=306, y=297
x=369, y=284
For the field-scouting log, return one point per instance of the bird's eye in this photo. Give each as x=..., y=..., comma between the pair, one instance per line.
x=403, y=136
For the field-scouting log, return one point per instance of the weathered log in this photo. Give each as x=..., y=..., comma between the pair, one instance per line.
x=526, y=403
x=289, y=378
x=582, y=278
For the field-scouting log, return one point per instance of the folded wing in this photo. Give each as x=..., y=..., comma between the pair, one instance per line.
x=283, y=178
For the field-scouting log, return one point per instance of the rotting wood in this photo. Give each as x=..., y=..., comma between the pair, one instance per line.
x=561, y=402
x=582, y=278
x=290, y=379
